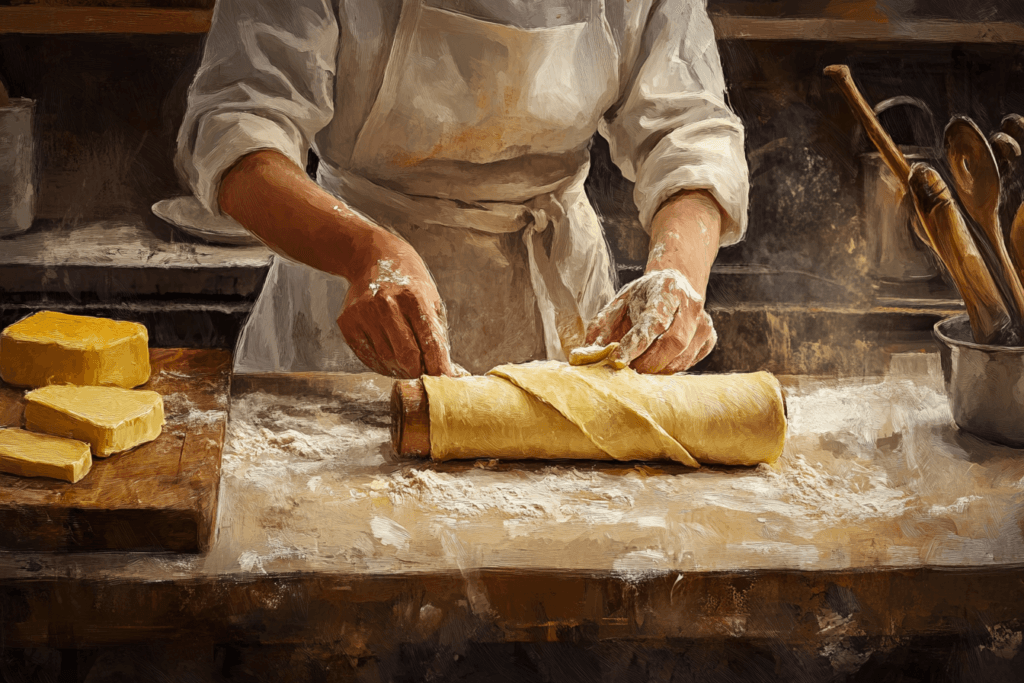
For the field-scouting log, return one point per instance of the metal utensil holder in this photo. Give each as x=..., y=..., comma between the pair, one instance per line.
x=897, y=254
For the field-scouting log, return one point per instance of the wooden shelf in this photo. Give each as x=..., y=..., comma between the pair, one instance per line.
x=729, y=27
x=51, y=20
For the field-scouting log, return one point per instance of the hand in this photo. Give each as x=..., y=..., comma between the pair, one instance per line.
x=660, y=323
x=393, y=317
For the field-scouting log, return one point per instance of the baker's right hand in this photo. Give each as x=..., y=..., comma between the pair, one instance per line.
x=393, y=317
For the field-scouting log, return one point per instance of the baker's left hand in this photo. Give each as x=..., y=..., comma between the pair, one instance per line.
x=660, y=323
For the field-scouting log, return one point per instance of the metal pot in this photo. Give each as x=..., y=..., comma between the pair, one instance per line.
x=897, y=254
x=17, y=167
x=985, y=384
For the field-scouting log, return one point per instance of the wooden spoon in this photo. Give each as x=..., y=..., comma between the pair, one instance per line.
x=941, y=219
x=951, y=239
x=1006, y=150
x=978, y=183
x=1017, y=241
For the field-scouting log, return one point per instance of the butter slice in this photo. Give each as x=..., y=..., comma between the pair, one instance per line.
x=57, y=348
x=109, y=419
x=27, y=454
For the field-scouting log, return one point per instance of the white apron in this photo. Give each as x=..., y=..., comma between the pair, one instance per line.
x=521, y=264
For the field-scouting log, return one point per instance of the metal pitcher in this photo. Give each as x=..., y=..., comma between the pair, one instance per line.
x=897, y=254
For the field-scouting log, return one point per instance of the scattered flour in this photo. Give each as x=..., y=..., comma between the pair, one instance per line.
x=557, y=493
x=641, y=564
x=179, y=408
x=386, y=272
x=958, y=507
x=252, y=561
x=868, y=412
x=390, y=532
x=273, y=439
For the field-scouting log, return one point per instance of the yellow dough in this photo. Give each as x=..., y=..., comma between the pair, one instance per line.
x=109, y=419
x=551, y=410
x=27, y=454
x=57, y=348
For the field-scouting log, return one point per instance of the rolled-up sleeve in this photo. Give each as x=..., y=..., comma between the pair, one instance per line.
x=672, y=129
x=266, y=82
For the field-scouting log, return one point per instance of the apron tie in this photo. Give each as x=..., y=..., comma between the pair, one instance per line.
x=550, y=268
x=559, y=310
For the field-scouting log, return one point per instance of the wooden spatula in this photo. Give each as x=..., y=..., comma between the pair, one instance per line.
x=976, y=174
x=940, y=217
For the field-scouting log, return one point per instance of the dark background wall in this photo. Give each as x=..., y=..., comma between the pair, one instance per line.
x=109, y=107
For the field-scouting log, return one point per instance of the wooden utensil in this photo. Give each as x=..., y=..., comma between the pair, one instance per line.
x=891, y=154
x=1013, y=125
x=973, y=166
x=951, y=239
x=1013, y=182
x=1017, y=241
x=1007, y=151
x=941, y=220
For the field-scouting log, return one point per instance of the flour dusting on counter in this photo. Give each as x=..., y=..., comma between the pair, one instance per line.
x=276, y=438
x=863, y=480
x=557, y=493
x=179, y=408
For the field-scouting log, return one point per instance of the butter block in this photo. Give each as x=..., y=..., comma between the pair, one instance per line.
x=57, y=348
x=28, y=454
x=109, y=419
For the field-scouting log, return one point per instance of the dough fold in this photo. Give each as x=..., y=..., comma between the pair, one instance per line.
x=549, y=410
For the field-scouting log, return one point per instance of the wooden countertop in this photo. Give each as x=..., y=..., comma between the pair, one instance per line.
x=877, y=499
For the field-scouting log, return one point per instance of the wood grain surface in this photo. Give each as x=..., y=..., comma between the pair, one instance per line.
x=161, y=496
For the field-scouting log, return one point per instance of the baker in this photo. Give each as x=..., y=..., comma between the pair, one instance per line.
x=448, y=226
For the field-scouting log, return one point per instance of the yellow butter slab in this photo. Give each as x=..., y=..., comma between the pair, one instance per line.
x=57, y=348
x=109, y=419
x=28, y=454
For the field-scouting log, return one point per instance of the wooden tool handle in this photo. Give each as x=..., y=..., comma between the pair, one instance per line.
x=1016, y=245
x=1013, y=125
x=410, y=419
x=5, y=100
x=891, y=154
x=1006, y=149
x=949, y=236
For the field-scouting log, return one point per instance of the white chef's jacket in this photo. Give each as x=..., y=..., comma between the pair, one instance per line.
x=464, y=126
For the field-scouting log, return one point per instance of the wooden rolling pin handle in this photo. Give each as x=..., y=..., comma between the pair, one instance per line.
x=891, y=154
x=410, y=419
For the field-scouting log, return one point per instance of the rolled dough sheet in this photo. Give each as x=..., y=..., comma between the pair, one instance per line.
x=549, y=410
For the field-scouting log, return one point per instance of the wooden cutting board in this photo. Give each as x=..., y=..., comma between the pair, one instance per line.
x=161, y=496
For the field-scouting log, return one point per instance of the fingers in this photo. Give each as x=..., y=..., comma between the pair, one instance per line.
x=396, y=336
x=703, y=342
x=669, y=346
x=432, y=340
x=648, y=327
x=407, y=358
x=611, y=319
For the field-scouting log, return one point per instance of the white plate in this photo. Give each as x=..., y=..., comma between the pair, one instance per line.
x=188, y=215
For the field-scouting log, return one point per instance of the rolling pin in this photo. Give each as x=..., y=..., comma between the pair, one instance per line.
x=550, y=410
x=410, y=419
x=942, y=221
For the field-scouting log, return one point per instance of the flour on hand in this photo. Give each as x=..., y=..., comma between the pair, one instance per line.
x=388, y=273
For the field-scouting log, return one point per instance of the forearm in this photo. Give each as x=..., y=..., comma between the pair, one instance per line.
x=275, y=200
x=684, y=236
